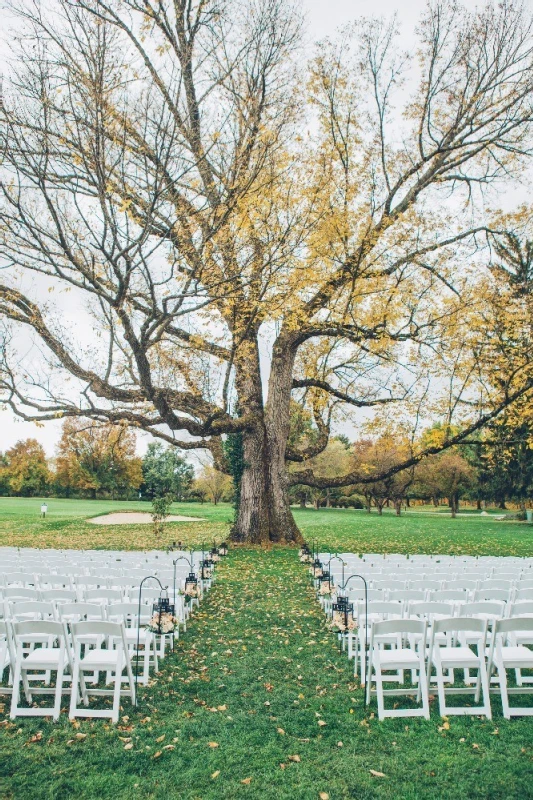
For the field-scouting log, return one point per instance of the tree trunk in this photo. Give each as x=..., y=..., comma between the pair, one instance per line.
x=264, y=511
x=398, y=507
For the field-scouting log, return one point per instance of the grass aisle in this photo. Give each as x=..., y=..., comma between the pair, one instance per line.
x=257, y=702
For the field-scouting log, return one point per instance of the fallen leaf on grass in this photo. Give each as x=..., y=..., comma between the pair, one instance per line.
x=159, y=753
x=215, y=774
x=297, y=759
x=247, y=781
x=322, y=722
x=81, y=736
x=160, y=738
x=324, y=796
x=36, y=738
x=213, y=744
x=169, y=747
x=280, y=731
x=377, y=774
x=128, y=746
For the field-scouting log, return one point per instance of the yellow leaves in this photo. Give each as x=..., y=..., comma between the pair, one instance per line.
x=247, y=781
x=37, y=737
x=215, y=774
x=444, y=727
x=295, y=758
x=128, y=746
x=323, y=796
x=376, y=774
x=158, y=754
x=322, y=722
x=213, y=745
x=280, y=731
x=124, y=206
x=160, y=738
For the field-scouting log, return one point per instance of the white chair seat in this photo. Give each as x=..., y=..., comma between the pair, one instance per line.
x=457, y=657
x=401, y=657
x=43, y=657
x=98, y=656
x=517, y=655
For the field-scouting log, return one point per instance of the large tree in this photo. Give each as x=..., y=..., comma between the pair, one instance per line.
x=173, y=167
x=165, y=471
x=25, y=469
x=97, y=458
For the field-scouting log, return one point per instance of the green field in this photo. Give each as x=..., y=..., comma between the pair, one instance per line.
x=418, y=531
x=255, y=674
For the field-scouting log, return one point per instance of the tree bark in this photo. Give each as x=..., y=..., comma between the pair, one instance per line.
x=264, y=513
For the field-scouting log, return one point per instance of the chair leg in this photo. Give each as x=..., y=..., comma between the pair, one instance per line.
x=423, y=691
x=502, y=675
x=74, y=690
x=379, y=690
x=116, y=694
x=440, y=687
x=16, y=691
x=59, y=686
x=485, y=688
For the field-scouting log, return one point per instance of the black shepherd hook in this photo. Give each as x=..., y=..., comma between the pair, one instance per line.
x=366, y=665
x=190, y=562
x=148, y=577
x=336, y=557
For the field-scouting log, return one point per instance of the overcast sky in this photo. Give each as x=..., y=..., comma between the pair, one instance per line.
x=324, y=17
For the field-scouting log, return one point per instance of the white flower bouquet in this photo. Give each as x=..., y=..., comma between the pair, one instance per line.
x=338, y=622
x=162, y=623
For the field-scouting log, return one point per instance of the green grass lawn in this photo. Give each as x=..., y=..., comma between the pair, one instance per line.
x=334, y=529
x=255, y=674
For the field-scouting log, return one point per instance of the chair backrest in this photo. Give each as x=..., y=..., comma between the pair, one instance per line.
x=513, y=624
x=448, y=595
x=34, y=609
x=430, y=609
x=58, y=595
x=37, y=627
x=491, y=594
x=485, y=608
x=22, y=578
x=524, y=584
x=523, y=594
x=95, y=627
x=460, y=625
x=390, y=626
x=77, y=612
x=381, y=608
x=128, y=613
x=405, y=595
x=427, y=586
x=20, y=593
x=56, y=581
x=105, y=595
x=389, y=585
x=522, y=608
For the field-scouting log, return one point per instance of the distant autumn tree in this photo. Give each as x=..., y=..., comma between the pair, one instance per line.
x=201, y=192
x=213, y=484
x=25, y=469
x=97, y=458
x=375, y=458
x=446, y=475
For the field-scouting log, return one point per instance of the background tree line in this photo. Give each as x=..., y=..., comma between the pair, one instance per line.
x=101, y=461
x=495, y=468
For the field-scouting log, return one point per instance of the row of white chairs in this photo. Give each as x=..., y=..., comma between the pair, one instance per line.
x=402, y=646
x=441, y=595
x=78, y=654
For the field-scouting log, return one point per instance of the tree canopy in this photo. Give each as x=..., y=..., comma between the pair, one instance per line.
x=200, y=189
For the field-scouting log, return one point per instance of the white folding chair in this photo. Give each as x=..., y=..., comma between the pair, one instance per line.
x=506, y=654
x=7, y=656
x=141, y=642
x=399, y=658
x=48, y=658
x=460, y=656
x=112, y=660
x=58, y=595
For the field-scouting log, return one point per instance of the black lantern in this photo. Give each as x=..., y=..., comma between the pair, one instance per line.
x=305, y=555
x=215, y=554
x=207, y=567
x=191, y=586
x=161, y=609
x=343, y=615
x=223, y=549
x=316, y=569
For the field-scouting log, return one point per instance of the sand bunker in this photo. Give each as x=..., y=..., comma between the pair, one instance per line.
x=137, y=518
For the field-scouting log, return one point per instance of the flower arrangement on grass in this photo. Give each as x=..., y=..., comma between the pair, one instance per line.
x=162, y=623
x=327, y=589
x=342, y=622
